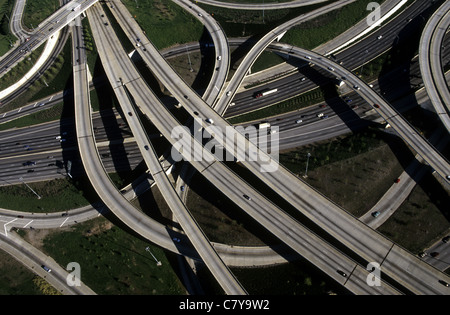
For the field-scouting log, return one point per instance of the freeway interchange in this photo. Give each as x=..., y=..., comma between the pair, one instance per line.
x=406, y=272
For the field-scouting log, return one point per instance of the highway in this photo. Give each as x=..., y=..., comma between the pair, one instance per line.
x=259, y=208
x=208, y=254
x=16, y=21
x=396, y=251
x=430, y=62
x=262, y=6
x=221, y=47
x=45, y=30
x=369, y=244
x=257, y=49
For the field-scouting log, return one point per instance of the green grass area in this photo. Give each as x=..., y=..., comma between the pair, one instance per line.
x=326, y=27
x=91, y=48
x=113, y=260
x=37, y=11
x=47, y=115
x=247, y=23
x=6, y=37
x=165, y=23
x=56, y=195
x=58, y=77
x=15, y=278
x=267, y=60
x=17, y=73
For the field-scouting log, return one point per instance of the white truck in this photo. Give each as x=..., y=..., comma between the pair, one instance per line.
x=264, y=125
x=265, y=93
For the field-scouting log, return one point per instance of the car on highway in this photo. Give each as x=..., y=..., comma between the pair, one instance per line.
x=422, y=254
x=146, y=147
x=376, y=105
x=182, y=188
x=446, y=239
x=308, y=57
x=434, y=254
x=298, y=121
x=130, y=114
x=356, y=87
x=247, y=197
x=376, y=214
x=176, y=239
x=30, y=171
x=380, y=37
x=323, y=106
x=209, y=121
x=341, y=273
x=397, y=180
x=27, y=163
x=200, y=15
x=46, y=268
x=219, y=58
x=331, y=68
x=444, y=283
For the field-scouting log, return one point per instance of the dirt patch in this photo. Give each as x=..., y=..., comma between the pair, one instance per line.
x=36, y=237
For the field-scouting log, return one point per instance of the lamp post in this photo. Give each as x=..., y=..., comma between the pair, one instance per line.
x=307, y=162
x=39, y=197
x=189, y=58
x=158, y=263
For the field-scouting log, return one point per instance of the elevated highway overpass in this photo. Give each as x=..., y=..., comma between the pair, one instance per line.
x=200, y=242
x=289, y=231
x=52, y=25
x=368, y=243
x=430, y=55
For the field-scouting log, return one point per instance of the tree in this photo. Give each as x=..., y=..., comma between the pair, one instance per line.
x=4, y=25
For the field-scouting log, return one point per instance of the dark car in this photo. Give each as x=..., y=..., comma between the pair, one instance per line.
x=247, y=197
x=444, y=283
x=146, y=147
x=446, y=239
x=341, y=273
x=434, y=254
x=30, y=171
